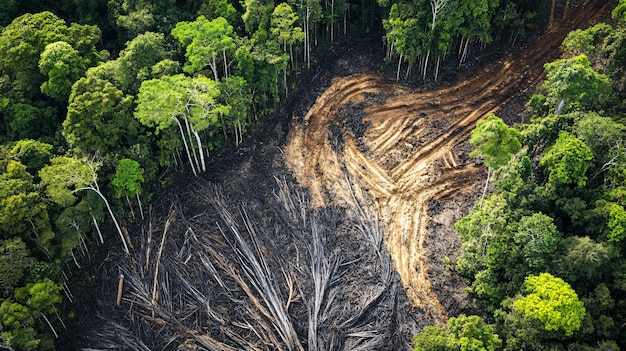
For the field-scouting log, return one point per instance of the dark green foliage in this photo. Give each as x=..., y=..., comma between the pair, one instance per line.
x=15, y=260
x=62, y=64
x=421, y=30
x=567, y=161
x=99, y=118
x=25, y=39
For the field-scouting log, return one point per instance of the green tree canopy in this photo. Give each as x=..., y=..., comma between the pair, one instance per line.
x=181, y=100
x=495, y=140
x=128, y=178
x=208, y=43
x=63, y=66
x=15, y=260
x=25, y=39
x=538, y=238
x=467, y=333
x=574, y=81
x=63, y=176
x=567, y=161
x=98, y=118
x=33, y=154
x=553, y=302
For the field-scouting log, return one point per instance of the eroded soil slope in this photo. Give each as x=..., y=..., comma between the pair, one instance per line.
x=404, y=152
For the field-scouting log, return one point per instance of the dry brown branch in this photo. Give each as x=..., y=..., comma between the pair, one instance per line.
x=159, y=253
x=120, y=289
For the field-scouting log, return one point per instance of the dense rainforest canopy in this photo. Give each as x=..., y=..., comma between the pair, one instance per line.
x=103, y=102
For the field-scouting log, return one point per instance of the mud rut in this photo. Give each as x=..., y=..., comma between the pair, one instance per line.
x=408, y=155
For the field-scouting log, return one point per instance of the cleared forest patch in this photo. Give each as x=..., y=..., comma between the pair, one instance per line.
x=409, y=155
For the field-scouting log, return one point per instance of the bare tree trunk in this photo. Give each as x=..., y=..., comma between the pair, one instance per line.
x=119, y=230
x=332, y=21
x=195, y=132
x=437, y=66
x=225, y=65
x=399, y=65
x=50, y=325
x=95, y=222
x=132, y=212
x=213, y=66
x=425, y=65
x=182, y=135
x=140, y=207
x=190, y=138
x=485, y=189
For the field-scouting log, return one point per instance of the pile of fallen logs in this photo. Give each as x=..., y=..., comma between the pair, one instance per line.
x=212, y=274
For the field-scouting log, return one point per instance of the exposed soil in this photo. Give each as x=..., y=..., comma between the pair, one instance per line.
x=328, y=233
x=412, y=154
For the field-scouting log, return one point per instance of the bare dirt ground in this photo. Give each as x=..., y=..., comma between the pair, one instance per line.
x=405, y=152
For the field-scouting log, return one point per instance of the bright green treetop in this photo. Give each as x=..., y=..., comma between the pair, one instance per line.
x=207, y=43
x=553, y=302
x=128, y=178
x=538, y=237
x=495, y=140
x=62, y=176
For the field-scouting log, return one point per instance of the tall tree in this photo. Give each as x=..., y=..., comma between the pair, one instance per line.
x=65, y=176
x=128, y=180
x=496, y=141
x=207, y=43
x=574, y=81
x=190, y=103
x=284, y=31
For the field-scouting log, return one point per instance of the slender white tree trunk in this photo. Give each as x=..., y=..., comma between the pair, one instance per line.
x=225, y=64
x=190, y=138
x=399, y=65
x=132, y=212
x=332, y=21
x=213, y=66
x=195, y=132
x=95, y=222
x=50, y=325
x=485, y=189
x=437, y=67
x=182, y=135
x=425, y=65
x=140, y=207
x=106, y=203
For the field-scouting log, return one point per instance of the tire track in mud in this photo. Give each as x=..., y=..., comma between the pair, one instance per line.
x=406, y=155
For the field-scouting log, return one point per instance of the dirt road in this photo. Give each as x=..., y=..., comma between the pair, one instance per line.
x=410, y=148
